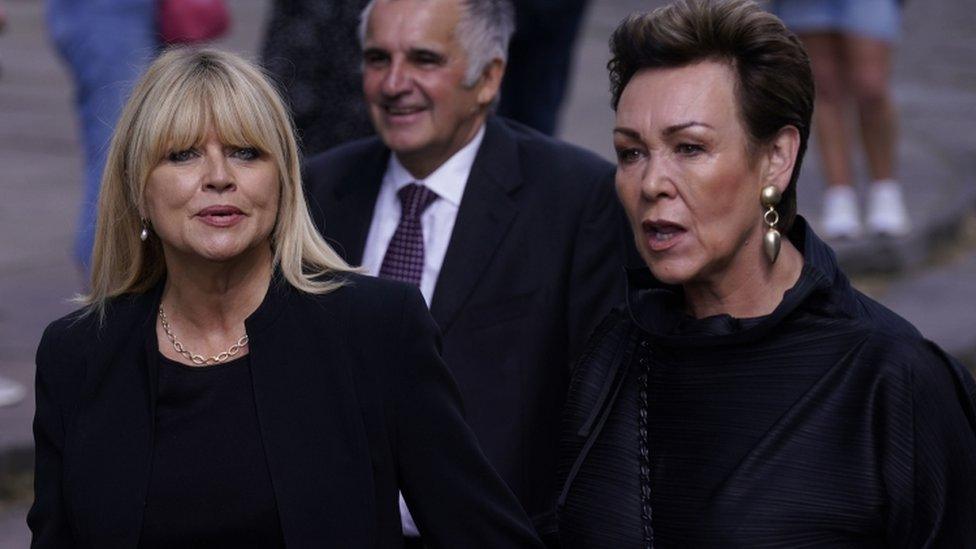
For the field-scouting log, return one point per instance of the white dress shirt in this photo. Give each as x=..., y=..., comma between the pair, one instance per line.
x=448, y=182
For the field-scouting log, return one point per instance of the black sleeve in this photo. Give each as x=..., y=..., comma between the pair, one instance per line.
x=597, y=280
x=46, y=519
x=454, y=494
x=939, y=494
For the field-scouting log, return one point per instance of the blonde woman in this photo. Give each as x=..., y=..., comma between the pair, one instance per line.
x=230, y=381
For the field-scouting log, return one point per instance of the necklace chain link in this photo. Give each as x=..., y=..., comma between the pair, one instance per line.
x=200, y=360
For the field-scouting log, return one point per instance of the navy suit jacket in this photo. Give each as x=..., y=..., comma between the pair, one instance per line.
x=353, y=403
x=534, y=262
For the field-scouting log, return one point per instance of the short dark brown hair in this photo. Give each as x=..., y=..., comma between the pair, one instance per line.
x=774, y=86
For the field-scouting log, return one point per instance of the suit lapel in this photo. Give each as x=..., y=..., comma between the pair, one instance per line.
x=350, y=211
x=484, y=217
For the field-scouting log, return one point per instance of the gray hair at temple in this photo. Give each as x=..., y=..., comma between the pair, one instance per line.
x=484, y=31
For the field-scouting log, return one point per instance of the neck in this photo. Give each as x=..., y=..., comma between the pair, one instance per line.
x=208, y=296
x=751, y=289
x=422, y=163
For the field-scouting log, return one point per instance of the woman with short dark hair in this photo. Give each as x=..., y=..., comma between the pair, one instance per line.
x=747, y=395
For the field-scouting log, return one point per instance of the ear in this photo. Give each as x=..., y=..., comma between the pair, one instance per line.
x=490, y=82
x=780, y=157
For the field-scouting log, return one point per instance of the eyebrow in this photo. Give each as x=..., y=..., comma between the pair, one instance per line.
x=633, y=134
x=671, y=130
x=421, y=50
x=667, y=132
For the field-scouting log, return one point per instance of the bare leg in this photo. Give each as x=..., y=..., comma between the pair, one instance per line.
x=840, y=215
x=870, y=69
x=827, y=61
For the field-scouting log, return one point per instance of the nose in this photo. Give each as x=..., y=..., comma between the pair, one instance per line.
x=396, y=81
x=218, y=177
x=656, y=182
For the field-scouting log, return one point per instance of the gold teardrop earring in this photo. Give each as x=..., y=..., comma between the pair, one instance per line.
x=770, y=197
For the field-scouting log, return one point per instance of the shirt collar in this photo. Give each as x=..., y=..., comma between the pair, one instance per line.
x=448, y=180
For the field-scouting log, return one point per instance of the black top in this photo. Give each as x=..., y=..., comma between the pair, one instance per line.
x=205, y=418
x=830, y=422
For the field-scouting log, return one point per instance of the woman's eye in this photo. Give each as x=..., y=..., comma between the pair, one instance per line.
x=181, y=156
x=689, y=149
x=246, y=153
x=626, y=156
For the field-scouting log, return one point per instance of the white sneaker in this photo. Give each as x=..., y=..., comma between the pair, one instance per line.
x=887, y=214
x=11, y=392
x=840, y=217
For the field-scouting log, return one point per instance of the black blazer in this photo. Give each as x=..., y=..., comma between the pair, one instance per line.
x=534, y=262
x=353, y=403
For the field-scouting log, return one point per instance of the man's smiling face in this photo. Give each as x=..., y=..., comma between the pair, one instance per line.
x=414, y=81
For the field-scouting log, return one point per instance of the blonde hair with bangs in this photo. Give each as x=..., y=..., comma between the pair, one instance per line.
x=183, y=93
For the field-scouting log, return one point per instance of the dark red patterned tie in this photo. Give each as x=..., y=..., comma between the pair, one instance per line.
x=404, y=259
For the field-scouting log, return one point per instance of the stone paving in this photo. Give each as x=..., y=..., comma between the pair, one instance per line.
x=935, y=87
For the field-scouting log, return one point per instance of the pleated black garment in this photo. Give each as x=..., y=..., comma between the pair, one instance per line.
x=830, y=422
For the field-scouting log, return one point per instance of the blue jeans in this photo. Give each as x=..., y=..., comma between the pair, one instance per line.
x=106, y=44
x=878, y=19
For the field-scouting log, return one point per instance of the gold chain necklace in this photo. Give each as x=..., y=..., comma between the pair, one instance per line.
x=198, y=359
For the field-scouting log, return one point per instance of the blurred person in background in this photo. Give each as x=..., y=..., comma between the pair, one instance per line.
x=311, y=49
x=11, y=392
x=850, y=47
x=514, y=238
x=230, y=381
x=3, y=24
x=747, y=395
x=106, y=44
x=540, y=57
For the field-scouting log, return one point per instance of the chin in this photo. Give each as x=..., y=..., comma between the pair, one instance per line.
x=402, y=142
x=221, y=257
x=671, y=271
x=222, y=253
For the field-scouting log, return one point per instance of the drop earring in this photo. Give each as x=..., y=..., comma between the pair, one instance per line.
x=144, y=234
x=769, y=198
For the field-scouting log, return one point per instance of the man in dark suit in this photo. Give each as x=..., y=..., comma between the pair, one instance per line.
x=515, y=239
